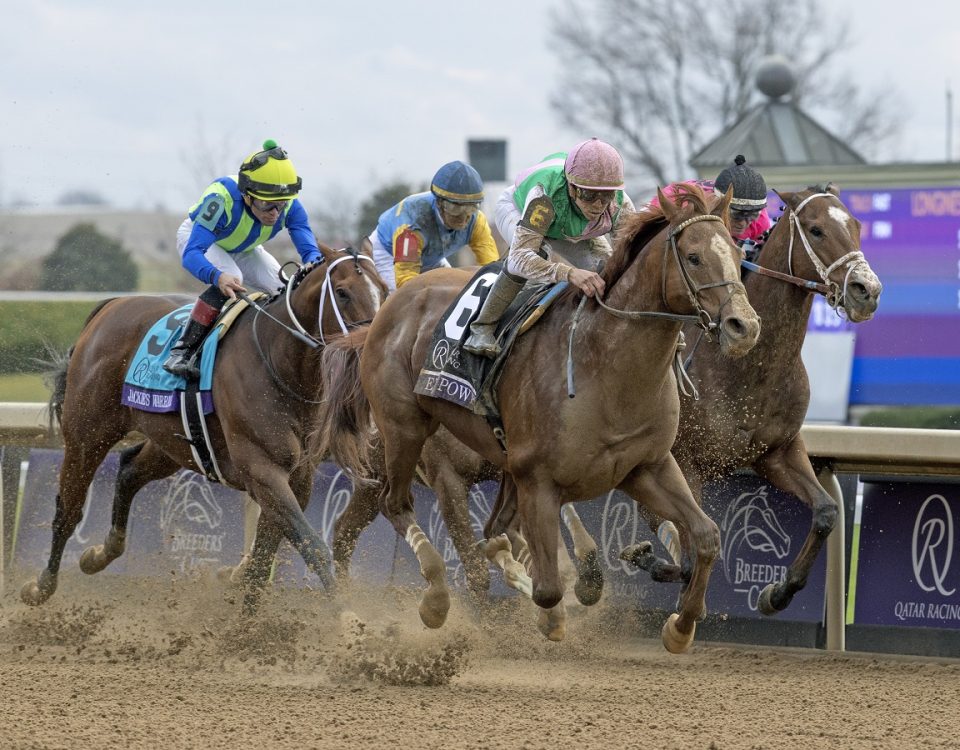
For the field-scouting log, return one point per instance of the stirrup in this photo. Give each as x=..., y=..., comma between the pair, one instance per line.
x=483, y=345
x=182, y=363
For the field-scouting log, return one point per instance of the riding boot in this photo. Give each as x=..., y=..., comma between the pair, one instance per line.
x=183, y=354
x=482, y=340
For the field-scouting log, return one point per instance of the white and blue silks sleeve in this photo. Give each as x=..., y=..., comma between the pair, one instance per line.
x=194, y=258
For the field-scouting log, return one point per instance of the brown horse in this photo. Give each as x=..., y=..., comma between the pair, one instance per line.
x=266, y=382
x=751, y=410
x=673, y=263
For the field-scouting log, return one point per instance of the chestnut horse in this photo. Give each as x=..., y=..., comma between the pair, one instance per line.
x=751, y=410
x=672, y=263
x=266, y=382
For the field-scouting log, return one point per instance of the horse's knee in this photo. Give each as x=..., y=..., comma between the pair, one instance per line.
x=824, y=519
x=547, y=596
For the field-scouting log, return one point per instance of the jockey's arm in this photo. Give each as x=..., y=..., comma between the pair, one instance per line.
x=407, y=248
x=481, y=241
x=298, y=227
x=194, y=259
x=525, y=257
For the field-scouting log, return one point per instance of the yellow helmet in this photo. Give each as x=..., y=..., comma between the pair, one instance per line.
x=269, y=175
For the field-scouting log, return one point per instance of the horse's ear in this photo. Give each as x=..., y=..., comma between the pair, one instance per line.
x=788, y=199
x=326, y=251
x=832, y=188
x=724, y=205
x=667, y=205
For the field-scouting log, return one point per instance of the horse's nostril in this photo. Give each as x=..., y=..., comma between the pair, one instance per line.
x=735, y=328
x=859, y=291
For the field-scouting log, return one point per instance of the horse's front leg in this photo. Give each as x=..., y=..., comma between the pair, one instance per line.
x=503, y=540
x=663, y=490
x=540, y=522
x=788, y=468
x=280, y=505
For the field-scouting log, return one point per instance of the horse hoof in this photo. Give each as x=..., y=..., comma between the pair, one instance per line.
x=34, y=594
x=553, y=622
x=496, y=545
x=636, y=553
x=93, y=560
x=765, y=603
x=434, y=606
x=589, y=585
x=673, y=640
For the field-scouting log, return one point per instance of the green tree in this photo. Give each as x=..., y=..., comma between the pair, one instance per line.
x=378, y=202
x=84, y=259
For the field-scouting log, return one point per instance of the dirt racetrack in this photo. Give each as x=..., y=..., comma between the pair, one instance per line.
x=113, y=663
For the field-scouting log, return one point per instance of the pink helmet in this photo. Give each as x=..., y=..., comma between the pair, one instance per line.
x=594, y=165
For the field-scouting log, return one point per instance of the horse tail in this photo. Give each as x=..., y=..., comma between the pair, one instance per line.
x=344, y=426
x=55, y=373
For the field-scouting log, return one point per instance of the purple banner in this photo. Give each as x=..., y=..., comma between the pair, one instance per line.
x=178, y=524
x=908, y=560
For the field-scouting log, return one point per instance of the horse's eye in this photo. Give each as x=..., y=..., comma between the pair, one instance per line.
x=694, y=259
x=816, y=231
x=342, y=295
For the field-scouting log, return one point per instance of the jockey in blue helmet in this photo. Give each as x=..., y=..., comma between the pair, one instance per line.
x=424, y=229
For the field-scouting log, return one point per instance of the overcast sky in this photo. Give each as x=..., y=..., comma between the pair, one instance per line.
x=117, y=97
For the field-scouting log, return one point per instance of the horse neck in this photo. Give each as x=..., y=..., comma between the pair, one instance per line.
x=783, y=307
x=626, y=343
x=296, y=363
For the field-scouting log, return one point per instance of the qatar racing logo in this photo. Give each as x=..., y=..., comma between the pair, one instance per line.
x=932, y=547
x=619, y=528
x=191, y=498
x=749, y=522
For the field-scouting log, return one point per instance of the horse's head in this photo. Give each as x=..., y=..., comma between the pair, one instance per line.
x=343, y=291
x=824, y=246
x=701, y=269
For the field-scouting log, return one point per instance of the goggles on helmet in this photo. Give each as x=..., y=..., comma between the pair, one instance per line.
x=259, y=159
x=592, y=196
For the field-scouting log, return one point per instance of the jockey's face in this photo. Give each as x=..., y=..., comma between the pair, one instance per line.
x=266, y=212
x=456, y=215
x=740, y=220
x=591, y=203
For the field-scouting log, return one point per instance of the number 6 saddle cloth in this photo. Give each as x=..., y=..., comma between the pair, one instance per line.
x=454, y=374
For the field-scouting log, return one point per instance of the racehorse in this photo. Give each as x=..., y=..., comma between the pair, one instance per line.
x=672, y=263
x=266, y=382
x=751, y=409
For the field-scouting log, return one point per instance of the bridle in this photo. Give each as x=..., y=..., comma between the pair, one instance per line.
x=298, y=331
x=831, y=291
x=702, y=318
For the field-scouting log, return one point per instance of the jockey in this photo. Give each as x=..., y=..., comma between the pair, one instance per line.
x=423, y=230
x=554, y=216
x=221, y=241
x=749, y=220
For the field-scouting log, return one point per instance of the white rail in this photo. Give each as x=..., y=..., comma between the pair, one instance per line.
x=864, y=450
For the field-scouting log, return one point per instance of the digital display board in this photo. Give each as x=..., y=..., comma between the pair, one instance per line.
x=909, y=353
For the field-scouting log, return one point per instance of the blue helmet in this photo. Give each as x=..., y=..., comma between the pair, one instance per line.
x=458, y=183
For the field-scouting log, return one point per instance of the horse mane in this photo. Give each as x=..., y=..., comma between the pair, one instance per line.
x=637, y=229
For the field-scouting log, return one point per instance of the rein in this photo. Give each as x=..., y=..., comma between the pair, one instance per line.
x=830, y=290
x=702, y=318
x=299, y=332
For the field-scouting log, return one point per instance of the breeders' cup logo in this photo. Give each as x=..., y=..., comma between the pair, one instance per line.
x=933, y=545
x=192, y=499
x=750, y=525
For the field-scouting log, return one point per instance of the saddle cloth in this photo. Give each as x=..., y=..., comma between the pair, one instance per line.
x=148, y=387
x=454, y=374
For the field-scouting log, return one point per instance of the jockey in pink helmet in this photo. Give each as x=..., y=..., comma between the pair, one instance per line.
x=555, y=217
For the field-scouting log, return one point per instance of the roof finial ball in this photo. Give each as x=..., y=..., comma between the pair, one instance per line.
x=775, y=77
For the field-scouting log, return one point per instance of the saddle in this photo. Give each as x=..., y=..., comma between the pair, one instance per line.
x=453, y=374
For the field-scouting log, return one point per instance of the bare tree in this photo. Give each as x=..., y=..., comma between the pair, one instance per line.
x=661, y=79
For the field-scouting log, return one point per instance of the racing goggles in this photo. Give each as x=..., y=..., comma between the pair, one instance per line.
x=739, y=214
x=458, y=210
x=258, y=160
x=268, y=207
x=592, y=196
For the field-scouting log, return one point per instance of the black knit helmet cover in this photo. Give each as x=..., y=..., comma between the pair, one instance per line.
x=749, y=188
